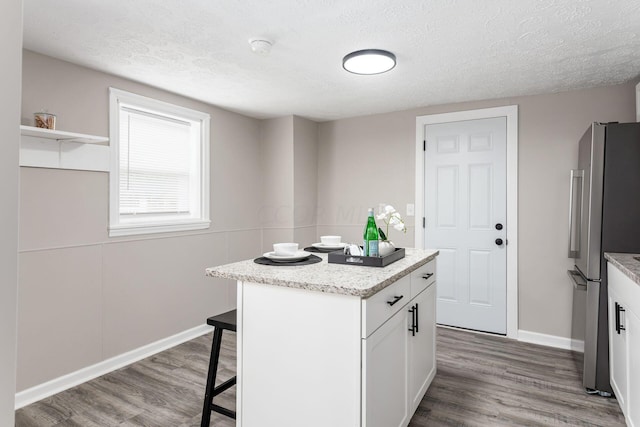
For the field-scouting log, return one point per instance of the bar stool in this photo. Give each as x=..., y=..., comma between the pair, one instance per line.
x=220, y=323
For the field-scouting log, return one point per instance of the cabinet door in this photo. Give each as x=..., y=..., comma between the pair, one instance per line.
x=422, y=347
x=618, y=351
x=385, y=379
x=633, y=350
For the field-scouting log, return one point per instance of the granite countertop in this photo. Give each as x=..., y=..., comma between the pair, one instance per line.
x=626, y=263
x=324, y=277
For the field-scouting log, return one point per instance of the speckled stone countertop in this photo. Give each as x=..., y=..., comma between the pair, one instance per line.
x=324, y=277
x=626, y=263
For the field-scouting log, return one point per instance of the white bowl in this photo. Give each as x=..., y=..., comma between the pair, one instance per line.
x=285, y=249
x=330, y=240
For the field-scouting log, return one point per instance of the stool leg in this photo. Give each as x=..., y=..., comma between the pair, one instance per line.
x=211, y=377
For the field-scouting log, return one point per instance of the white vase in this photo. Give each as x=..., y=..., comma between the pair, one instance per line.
x=385, y=247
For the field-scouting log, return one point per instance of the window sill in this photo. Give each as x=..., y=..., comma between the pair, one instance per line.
x=151, y=228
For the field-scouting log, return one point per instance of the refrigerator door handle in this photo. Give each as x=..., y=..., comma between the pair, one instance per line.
x=575, y=223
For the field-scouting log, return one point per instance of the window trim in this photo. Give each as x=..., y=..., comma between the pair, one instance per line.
x=116, y=226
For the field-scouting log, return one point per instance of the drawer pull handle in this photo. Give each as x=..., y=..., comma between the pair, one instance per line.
x=395, y=300
x=413, y=310
x=619, y=325
x=427, y=276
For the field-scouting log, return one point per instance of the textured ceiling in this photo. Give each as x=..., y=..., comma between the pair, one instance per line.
x=447, y=50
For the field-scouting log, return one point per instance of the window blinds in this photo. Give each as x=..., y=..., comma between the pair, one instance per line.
x=155, y=160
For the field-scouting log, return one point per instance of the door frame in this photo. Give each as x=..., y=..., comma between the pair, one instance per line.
x=511, y=113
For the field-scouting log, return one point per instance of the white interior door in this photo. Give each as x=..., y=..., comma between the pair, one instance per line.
x=465, y=211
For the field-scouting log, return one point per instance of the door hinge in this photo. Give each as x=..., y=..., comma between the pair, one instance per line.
x=424, y=145
x=424, y=222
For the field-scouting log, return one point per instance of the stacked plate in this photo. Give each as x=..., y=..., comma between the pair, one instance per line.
x=329, y=247
x=298, y=256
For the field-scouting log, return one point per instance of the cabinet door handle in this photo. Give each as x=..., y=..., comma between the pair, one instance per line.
x=417, y=330
x=412, y=310
x=427, y=276
x=619, y=326
x=395, y=300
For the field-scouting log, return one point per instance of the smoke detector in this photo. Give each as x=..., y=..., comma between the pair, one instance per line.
x=260, y=46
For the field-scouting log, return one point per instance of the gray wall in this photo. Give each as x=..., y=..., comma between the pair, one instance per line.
x=289, y=152
x=276, y=180
x=101, y=296
x=305, y=180
x=377, y=154
x=10, y=75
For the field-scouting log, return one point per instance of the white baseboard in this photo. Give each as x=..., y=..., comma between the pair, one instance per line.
x=67, y=381
x=551, y=341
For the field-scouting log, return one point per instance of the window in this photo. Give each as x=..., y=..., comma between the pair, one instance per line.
x=159, y=166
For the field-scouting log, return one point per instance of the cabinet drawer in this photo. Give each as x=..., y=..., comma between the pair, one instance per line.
x=379, y=308
x=423, y=277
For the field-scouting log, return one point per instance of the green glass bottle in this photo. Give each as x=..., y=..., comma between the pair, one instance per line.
x=371, y=236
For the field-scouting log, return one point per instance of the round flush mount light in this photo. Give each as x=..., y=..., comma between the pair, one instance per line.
x=369, y=61
x=260, y=46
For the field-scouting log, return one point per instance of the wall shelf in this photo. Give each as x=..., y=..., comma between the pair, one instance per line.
x=60, y=135
x=55, y=149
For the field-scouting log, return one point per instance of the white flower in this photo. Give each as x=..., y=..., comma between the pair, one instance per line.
x=390, y=216
x=400, y=226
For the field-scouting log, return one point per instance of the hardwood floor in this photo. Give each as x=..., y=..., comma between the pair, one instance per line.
x=486, y=380
x=163, y=390
x=482, y=380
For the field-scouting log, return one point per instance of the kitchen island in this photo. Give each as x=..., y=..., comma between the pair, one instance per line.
x=623, y=302
x=334, y=345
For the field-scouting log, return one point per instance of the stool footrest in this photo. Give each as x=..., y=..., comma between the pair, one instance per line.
x=224, y=386
x=224, y=411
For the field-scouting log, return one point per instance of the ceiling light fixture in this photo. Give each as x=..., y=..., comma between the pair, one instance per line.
x=369, y=61
x=260, y=46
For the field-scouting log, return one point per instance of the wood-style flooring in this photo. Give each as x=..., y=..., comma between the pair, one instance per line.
x=485, y=380
x=482, y=380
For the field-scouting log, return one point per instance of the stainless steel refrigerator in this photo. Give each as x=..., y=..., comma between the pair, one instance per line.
x=604, y=216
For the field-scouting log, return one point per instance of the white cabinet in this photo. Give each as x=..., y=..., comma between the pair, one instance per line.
x=624, y=343
x=422, y=347
x=618, y=349
x=399, y=359
x=633, y=352
x=385, y=382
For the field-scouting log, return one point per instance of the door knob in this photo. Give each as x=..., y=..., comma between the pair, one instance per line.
x=498, y=226
x=499, y=242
